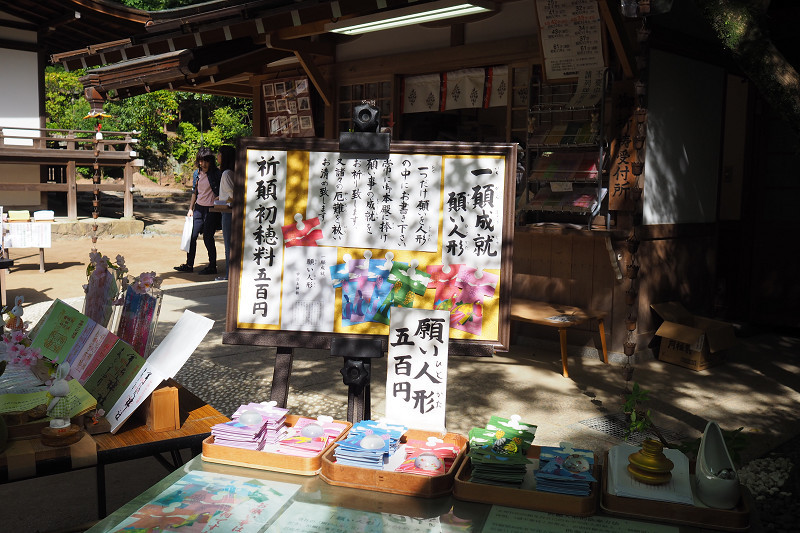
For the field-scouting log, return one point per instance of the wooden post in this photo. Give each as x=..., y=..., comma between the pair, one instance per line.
x=127, y=210
x=72, y=192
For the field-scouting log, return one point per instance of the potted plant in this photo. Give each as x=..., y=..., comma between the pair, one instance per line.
x=639, y=420
x=637, y=415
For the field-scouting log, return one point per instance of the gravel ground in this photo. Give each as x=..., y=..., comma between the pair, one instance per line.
x=774, y=481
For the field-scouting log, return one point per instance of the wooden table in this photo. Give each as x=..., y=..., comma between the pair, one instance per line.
x=561, y=317
x=25, y=459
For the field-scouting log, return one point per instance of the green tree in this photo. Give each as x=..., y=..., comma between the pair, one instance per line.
x=742, y=27
x=64, y=103
x=230, y=123
x=150, y=114
x=158, y=5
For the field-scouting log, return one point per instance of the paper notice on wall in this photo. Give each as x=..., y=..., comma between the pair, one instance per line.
x=571, y=37
x=589, y=89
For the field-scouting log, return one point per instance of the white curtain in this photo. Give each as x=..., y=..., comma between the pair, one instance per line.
x=497, y=87
x=464, y=88
x=421, y=93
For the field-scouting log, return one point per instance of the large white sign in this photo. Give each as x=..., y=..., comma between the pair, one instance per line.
x=416, y=371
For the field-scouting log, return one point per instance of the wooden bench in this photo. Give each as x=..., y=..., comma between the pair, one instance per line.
x=561, y=317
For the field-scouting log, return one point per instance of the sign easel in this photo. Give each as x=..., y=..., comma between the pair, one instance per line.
x=329, y=241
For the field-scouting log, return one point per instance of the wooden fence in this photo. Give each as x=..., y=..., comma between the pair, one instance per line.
x=70, y=149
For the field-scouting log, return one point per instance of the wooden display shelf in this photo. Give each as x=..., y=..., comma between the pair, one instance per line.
x=533, y=500
x=395, y=482
x=276, y=462
x=736, y=519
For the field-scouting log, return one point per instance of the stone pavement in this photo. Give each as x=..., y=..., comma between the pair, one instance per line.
x=758, y=387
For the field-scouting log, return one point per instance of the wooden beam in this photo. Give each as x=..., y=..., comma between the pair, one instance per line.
x=452, y=58
x=619, y=36
x=47, y=156
x=317, y=77
x=18, y=45
x=324, y=47
x=66, y=18
x=60, y=187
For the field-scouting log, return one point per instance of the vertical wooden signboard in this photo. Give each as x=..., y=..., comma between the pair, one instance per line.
x=326, y=243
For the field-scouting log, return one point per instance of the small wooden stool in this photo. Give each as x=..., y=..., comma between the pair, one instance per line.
x=558, y=316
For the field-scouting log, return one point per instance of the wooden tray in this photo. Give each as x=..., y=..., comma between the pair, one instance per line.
x=736, y=519
x=276, y=462
x=533, y=500
x=395, y=482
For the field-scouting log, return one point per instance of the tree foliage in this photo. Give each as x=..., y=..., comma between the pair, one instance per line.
x=171, y=126
x=741, y=26
x=64, y=102
x=157, y=5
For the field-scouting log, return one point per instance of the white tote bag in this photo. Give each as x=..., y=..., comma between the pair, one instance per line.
x=186, y=237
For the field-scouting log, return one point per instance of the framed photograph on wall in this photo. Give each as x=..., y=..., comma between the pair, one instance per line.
x=269, y=90
x=305, y=122
x=270, y=106
x=280, y=88
x=282, y=106
x=302, y=86
x=304, y=103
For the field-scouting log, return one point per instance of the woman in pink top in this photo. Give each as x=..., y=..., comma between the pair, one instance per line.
x=205, y=190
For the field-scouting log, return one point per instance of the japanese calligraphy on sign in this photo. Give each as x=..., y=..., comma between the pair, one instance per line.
x=472, y=211
x=331, y=242
x=376, y=203
x=416, y=371
x=623, y=177
x=570, y=36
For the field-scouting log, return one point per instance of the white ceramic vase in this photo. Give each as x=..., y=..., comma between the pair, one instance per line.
x=717, y=481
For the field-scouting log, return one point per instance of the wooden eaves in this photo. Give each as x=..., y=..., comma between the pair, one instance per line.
x=229, y=42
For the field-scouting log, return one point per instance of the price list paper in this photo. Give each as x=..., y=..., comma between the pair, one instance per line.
x=569, y=32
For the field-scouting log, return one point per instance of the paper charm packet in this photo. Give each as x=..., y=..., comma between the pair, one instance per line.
x=565, y=470
x=274, y=416
x=488, y=467
x=496, y=422
x=309, y=437
x=428, y=457
x=423, y=463
x=575, y=467
x=369, y=444
x=505, y=442
x=547, y=453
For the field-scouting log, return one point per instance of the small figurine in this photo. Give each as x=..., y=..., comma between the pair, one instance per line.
x=14, y=321
x=61, y=431
x=58, y=408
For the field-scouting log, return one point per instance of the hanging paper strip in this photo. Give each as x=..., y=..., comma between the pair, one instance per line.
x=421, y=93
x=463, y=89
x=497, y=87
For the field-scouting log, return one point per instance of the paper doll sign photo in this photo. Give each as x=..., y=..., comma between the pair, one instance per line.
x=331, y=242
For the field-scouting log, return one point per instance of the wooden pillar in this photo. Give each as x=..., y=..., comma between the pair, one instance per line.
x=127, y=209
x=72, y=192
x=259, y=124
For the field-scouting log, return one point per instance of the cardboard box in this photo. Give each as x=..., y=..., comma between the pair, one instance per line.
x=692, y=341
